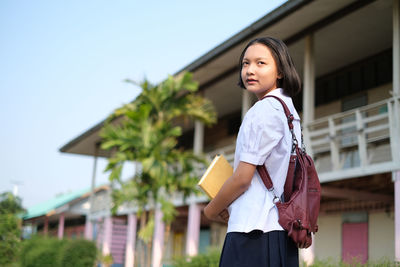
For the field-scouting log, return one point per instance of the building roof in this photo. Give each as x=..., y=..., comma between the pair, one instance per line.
x=343, y=34
x=262, y=23
x=90, y=138
x=48, y=206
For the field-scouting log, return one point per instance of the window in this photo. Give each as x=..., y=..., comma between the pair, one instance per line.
x=351, y=157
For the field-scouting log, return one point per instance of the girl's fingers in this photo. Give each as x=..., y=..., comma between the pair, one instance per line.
x=224, y=215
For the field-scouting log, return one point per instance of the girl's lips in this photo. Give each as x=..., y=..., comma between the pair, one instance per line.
x=251, y=81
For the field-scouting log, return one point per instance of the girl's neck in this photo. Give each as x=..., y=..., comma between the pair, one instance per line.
x=263, y=95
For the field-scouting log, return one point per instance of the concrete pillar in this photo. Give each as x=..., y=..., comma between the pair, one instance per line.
x=396, y=180
x=395, y=108
x=246, y=102
x=192, y=245
x=130, y=241
x=396, y=47
x=61, y=226
x=34, y=226
x=46, y=225
x=158, y=239
x=193, y=229
x=309, y=80
x=308, y=89
x=107, y=235
x=307, y=255
x=362, y=140
x=308, y=114
x=89, y=223
x=88, y=229
x=198, y=141
x=395, y=124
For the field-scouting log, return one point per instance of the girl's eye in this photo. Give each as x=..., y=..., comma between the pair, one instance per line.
x=245, y=63
x=261, y=62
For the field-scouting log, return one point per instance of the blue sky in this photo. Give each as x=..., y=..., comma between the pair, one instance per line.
x=62, y=66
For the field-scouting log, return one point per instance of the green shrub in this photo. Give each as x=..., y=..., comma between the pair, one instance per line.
x=42, y=252
x=10, y=242
x=78, y=253
x=354, y=263
x=39, y=251
x=209, y=259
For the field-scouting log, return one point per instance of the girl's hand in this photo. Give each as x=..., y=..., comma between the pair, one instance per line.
x=238, y=183
x=223, y=216
x=208, y=212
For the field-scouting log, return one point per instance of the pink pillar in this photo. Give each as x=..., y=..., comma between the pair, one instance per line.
x=61, y=226
x=88, y=229
x=107, y=235
x=308, y=255
x=396, y=179
x=158, y=239
x=46, y=225
x=193, y=229
x=130, y=241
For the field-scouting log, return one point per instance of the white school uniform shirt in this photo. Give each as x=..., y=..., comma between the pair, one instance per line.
x=263, y=138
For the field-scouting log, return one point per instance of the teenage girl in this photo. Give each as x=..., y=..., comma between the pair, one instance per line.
x=254, y=236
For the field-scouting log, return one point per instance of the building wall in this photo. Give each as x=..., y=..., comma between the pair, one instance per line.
x=374, y=95
x=328, y=109
x=328, y=239
x=223, y=133
x=175, y=247
x=381, y=236
x=74, y=231
x=118, y=242
x=379, y=93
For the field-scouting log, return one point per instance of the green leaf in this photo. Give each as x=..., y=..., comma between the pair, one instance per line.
x=146, y=232
x=168, y=210
x=147, y=131
x=116, y=173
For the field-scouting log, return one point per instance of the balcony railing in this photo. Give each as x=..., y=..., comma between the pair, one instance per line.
x=227, y=151
x=354, y=143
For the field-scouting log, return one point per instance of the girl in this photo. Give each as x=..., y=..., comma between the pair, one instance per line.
x=254, y=236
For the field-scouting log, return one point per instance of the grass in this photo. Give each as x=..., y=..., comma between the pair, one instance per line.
x=354, y=263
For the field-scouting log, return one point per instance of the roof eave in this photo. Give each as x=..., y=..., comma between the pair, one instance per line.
x=85, y=134
x=254, y=28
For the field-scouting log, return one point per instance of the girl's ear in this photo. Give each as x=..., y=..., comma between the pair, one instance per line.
x=280, y=76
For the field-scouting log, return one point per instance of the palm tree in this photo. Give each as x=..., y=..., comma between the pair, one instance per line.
x=147, y=132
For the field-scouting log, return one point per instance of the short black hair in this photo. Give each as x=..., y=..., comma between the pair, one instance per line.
x=290, y=81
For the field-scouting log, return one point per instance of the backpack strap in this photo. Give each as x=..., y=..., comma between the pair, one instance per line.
x=265, y=177
x=288, y=114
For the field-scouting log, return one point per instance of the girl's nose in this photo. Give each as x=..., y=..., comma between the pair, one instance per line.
x=250, y=69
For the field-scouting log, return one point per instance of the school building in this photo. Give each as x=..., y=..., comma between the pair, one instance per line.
x=347, y=53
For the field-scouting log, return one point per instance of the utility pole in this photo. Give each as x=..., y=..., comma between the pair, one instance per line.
x=16, y=183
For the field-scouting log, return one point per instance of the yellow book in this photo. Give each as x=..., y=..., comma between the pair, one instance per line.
x=215, y=176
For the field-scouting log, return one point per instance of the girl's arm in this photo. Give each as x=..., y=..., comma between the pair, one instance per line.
x=231, y=190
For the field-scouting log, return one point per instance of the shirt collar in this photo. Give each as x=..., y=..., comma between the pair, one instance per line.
x=277, y=92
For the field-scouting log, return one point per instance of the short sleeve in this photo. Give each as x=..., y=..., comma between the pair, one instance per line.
x=262, y=131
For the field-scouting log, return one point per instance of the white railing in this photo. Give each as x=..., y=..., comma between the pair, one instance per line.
x=227, y=151
x=358, y=140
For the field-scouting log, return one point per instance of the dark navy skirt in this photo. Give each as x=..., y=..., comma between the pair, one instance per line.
x=258, y=249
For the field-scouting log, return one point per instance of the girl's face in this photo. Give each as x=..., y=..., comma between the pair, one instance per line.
x=259, y=72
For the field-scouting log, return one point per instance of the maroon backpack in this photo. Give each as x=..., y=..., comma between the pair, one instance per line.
x=298, y=211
